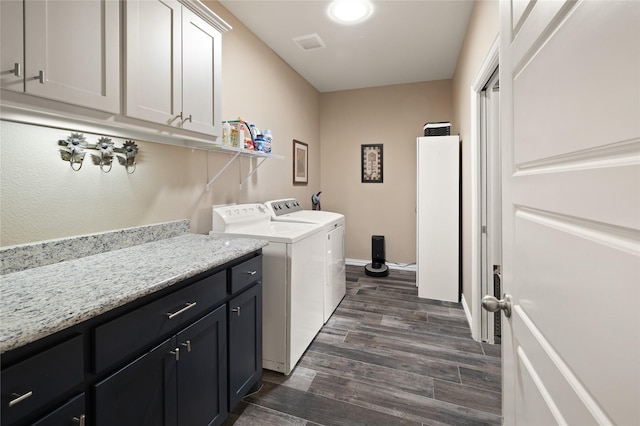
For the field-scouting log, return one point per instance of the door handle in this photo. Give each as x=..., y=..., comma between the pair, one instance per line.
x=492, y=304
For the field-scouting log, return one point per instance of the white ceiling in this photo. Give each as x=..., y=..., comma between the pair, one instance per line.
x=403, y=41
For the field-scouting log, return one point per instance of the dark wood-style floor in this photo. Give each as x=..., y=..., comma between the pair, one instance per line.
x=385, y=357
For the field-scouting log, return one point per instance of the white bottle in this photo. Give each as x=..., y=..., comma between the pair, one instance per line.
x=240, y=143
x=266, y=147
x=226, y=134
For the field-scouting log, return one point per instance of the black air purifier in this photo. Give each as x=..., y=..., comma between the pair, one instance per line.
x=377, y=267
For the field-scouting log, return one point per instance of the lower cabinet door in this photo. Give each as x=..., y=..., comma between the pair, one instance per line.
x=202, y=372
x=141, y=394
x=245, y=344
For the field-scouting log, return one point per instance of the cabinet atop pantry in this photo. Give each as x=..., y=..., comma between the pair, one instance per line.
x=64, y=51
x=141, y=69
x=173, y=61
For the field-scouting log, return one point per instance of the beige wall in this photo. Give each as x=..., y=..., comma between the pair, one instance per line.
x=392, y=116
x=482, y=30
x=41, y=198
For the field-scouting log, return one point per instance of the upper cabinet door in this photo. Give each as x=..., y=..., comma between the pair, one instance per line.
x=201, y=52
x=153, y=66
x=72, y=52
x=11, y=45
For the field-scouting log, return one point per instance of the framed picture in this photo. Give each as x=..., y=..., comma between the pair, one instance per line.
x=371, y=157
x=300, y=163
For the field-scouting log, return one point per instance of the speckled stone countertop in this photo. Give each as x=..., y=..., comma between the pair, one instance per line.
x=38, y=302
x=33, y=255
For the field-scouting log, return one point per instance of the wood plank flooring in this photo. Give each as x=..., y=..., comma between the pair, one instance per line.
x=385, y=357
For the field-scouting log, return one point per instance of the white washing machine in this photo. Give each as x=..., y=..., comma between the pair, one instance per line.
x=292, y=271
x=290, y=210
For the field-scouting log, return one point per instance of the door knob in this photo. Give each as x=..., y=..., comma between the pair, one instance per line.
x=492, y=304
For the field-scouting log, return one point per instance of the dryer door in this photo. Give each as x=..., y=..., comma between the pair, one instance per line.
x=335, y=284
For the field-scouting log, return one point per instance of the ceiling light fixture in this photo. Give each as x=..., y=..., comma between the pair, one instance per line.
x=350, y=11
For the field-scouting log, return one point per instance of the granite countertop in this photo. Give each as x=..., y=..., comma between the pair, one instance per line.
x=38, y=302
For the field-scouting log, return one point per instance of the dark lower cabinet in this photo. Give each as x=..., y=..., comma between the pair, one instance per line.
x=245, y=344
x=143, y=393
x=181, y=382
x=202, y=371
x=185, y=358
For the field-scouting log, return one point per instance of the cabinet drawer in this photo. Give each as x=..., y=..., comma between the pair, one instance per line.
x=246, y=274
x=71, y=413
x=39, y=380
x=130, y=333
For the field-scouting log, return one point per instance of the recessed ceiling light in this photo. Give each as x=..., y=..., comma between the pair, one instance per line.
x=350, y=11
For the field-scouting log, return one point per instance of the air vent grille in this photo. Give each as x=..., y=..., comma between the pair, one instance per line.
x=309, y=42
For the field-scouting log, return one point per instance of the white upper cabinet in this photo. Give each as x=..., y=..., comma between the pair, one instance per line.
x=201, y=79
x=70, y=51
x=152, y=34
x=11, y=45
x=173, y=61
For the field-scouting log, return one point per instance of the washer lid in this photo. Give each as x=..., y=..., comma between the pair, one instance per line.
x=281, y=232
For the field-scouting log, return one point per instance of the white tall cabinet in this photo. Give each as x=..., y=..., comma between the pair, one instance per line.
x=438, y=202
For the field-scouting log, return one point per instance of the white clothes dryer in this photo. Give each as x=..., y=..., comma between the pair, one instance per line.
x=290, y=210
x=292, y=271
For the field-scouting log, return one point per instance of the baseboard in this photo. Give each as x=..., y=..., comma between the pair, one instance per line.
x=467, y=311
x=391, y=265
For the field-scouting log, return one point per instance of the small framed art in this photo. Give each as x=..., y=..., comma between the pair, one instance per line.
x=371, y=158
x=300, y=163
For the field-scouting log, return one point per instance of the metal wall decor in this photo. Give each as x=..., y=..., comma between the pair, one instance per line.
x=371, y=163
x=73, y=151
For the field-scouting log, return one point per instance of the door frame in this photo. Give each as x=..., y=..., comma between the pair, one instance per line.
x=489, y=65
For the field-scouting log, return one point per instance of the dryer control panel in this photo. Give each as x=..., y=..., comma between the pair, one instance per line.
x=284, y=206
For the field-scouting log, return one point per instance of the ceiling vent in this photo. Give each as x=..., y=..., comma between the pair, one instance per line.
x=309, y=42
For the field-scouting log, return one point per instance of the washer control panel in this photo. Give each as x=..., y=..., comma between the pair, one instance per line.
x=285, y=206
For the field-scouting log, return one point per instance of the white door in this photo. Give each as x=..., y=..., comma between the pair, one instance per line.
x=570, y=132
x=153, y=60
x=201, y=51
x=490, y=203
x=72, y=52
x=12, y=45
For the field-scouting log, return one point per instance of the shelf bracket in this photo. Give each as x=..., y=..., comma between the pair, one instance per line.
x=222, y=170
x=252, y=171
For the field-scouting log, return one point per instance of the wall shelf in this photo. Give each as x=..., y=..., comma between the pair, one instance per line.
x=235, y=153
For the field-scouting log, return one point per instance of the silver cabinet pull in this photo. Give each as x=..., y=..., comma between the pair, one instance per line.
x=179, y=116
x=187, y=345
x=189, y=119
x=176, y=353
x=17, y=398
x=17, y=69
x=252, y=272
x=79, y=420
x=186, y=308
x=40, y=77
x=236, y=310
